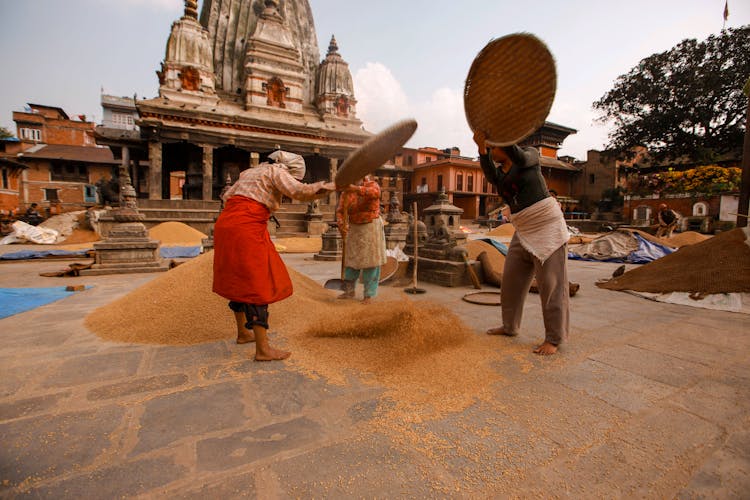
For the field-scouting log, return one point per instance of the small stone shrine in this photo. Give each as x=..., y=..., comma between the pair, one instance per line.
x=441, y=254
x=332, y=244
x=396, y=230
x=128, y=248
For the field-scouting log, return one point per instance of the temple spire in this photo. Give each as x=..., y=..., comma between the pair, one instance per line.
x=191, y=9
x=333, y=46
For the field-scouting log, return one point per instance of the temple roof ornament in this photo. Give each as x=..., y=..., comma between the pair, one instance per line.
x=191, y=9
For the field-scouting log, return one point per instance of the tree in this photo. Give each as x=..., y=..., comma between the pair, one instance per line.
x=5, y=133
x=685, y=102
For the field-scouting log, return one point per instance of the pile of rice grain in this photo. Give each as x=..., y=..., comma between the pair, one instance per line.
x=174, y=233
x=419, y=351
x=503, y=230
x=717, y=265
x=300, y=245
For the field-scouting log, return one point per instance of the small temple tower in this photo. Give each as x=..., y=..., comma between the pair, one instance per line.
x=335, y=89
x=187, y=73
x=274, y=73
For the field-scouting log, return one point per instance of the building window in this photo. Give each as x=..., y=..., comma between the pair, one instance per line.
x=51, y=195
x=69, y=172
x=459, y=182
x=6, y=183
x=700, y=209
x=409, y=160
x=592, y=178
x=484, y=186
x=439, y=182
x=470, y=183
x=392, y=181
x=122, y=119
x=32, y=134
x=89, y=193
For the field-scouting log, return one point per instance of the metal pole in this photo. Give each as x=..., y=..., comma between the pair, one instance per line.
x=742, y=209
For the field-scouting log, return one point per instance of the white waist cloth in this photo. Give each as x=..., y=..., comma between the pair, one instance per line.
x=541, y=228
x=365, y=245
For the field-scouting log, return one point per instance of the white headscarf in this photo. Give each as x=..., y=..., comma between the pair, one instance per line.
x=293, y=162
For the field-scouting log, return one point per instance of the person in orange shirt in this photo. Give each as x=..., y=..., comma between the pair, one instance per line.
x=358, y=218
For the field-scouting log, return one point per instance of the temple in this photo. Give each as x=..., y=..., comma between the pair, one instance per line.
x=245, y=80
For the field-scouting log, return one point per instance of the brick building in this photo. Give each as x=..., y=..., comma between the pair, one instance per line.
x=425, y=172
x=55, y=162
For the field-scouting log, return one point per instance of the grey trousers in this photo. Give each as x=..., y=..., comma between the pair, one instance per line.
x=552, y=280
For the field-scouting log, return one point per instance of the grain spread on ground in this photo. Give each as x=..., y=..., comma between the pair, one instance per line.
x=299, y=245
x=717, y=265
x=176, y=234
x=419, y=352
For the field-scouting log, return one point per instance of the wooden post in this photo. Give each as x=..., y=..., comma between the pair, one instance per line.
x=742, y=209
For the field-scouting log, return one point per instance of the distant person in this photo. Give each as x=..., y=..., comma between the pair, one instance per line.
x=247, y=268
x=32, y=215
x=668, y=219
x=358, y=218
x=539, y=245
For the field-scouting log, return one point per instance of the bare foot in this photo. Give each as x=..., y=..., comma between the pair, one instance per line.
x=346, y=295
x=500, y=331
x=271, y=354
x=367, y=300
x=545, y=349
x=245, y=337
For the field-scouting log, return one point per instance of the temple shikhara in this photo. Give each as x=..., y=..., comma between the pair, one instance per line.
x=243, y=80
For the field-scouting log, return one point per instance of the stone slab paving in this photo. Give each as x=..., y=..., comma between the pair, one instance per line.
x=646, y=400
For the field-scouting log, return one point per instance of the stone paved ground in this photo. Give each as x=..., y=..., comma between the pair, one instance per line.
x=647, y=400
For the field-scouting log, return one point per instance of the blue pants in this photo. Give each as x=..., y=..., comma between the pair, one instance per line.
x=370, y=277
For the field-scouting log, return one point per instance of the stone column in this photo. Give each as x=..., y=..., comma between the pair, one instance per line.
x=254, y=159
x=332, y=169
x=154, y=171
x=208, y=171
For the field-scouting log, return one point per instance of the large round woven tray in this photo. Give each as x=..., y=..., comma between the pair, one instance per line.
x=375, y=152
x=510, y=88
x=483, y=298
x=388, y=269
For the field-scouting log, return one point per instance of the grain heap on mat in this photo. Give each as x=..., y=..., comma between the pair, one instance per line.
x=503, y=230
x=680, y=240
x=717, y=265
x=420, y=352
x=299, y=245
x=176, y=234
x=81, y=236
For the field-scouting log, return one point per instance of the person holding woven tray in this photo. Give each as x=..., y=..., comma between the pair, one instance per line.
x=539, y=245
x=247, y=268
x=358, y=218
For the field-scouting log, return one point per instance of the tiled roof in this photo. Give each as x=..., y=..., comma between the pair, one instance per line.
x=70, y=153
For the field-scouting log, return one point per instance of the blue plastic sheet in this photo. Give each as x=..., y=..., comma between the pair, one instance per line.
x=501, y=247
x=647, y=251
x=18, y=300
x=174, y=252
x=40, y=254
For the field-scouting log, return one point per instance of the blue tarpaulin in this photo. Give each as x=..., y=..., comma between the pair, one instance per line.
x=174, y=252
x=501, y=247
x=40, y=254
x=18, y=300
x=647, y=251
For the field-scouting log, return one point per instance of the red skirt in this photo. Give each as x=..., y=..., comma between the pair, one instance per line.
x=247, y=267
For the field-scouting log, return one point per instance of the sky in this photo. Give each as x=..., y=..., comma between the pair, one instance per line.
x=409, y=59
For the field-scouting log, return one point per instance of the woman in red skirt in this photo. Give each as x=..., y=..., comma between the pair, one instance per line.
x=247, y=268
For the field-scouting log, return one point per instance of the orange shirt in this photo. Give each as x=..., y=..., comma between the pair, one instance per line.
x=361, y=206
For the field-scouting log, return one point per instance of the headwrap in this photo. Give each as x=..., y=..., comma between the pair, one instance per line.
x=293, y=162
